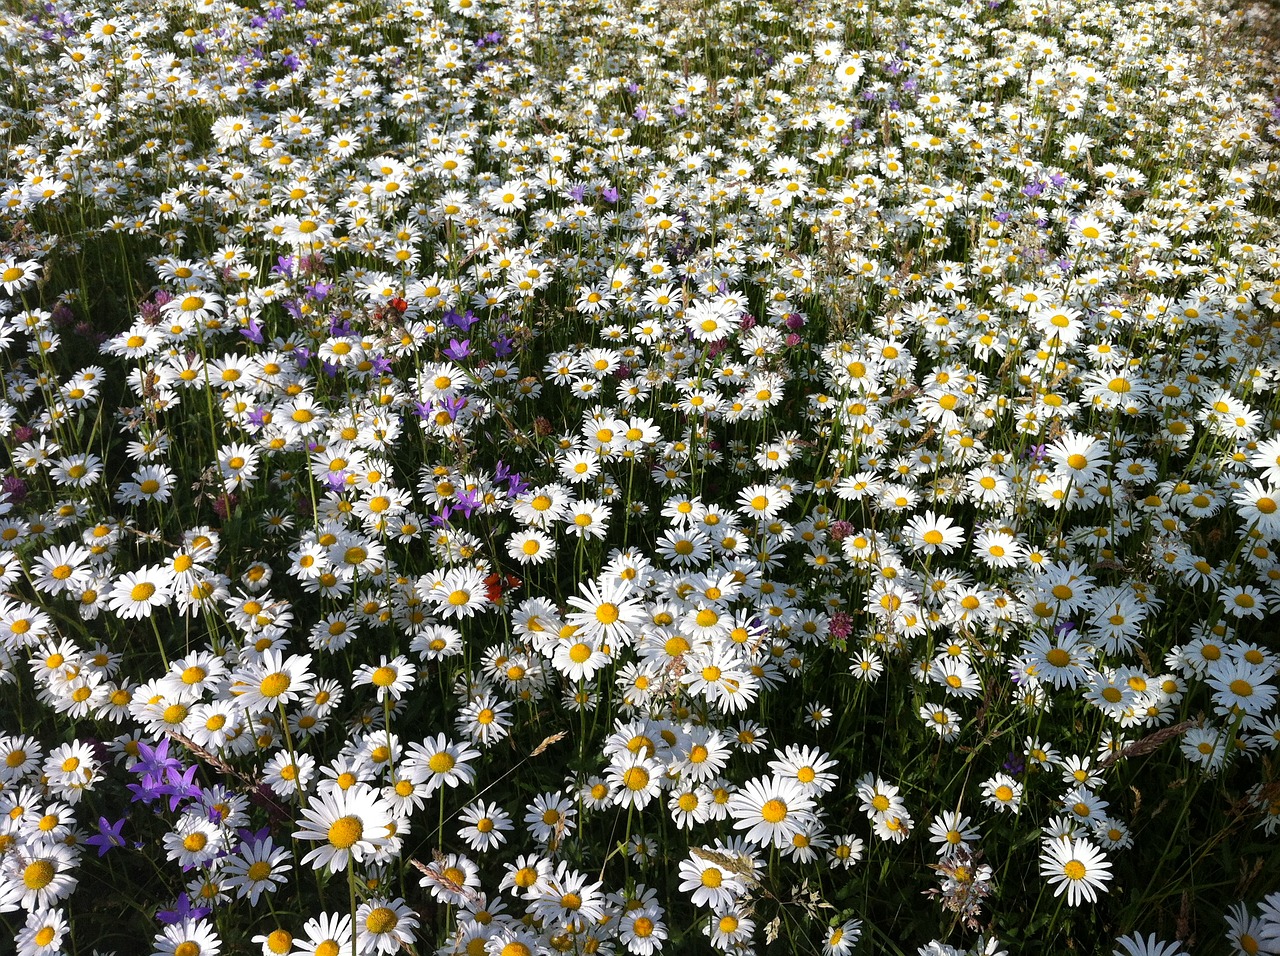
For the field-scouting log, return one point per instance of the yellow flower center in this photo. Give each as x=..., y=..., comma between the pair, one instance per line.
x=195, y=842
x=636, y=778
x=38, y=874
x=345, y=832
x=175, y=714
x=381, y=920
x=774, y=811
x=273, y=685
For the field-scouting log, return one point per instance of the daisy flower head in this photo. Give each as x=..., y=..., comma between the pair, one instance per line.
x=842, y=939
x=942, y=720
x=136, y=594
x=1061, y=660
x=435, y=642
x=816, y=714
x=392, y=678
x=1243, y=600
x=956, y=675
x=460, y=593
x=62, y=568
x=1078, y=456
x=190, y=937
x=808, y=766
x=1242, y=688
x=443, y=762
x=713, y=878
x=19, y=756
x=867, y=665
x=272, y=682
x=328, y=934
x=684, y=548
x=452, y=879
x=710, y=320
x=607, y=610
x=845, y=851
x=932, y=533
x=772, y=810
x=566, y=896
x=541, y=507
x=385, y=926
x=550, y=817
x=1266, y=458
x=17, y=275
x=642, y=930
x=531, y=546
x=635, y=780
x=730, y=929
x=1112, y=833
x=485, y=826
x=762, y=502
x=1135, y=945
x=42, y=872
x=514, y=940
x=485, y=719
x=256, y=868
x=42, y=934
x=579, y=658
x=1002, y=792
x=952, y=832
x=878, y=797
x=350, y=825
x=1075, y=867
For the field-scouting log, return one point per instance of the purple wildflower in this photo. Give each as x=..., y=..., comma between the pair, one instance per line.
x=182, y=910
x=457, y=350
x=253, y=331
x=108, y=836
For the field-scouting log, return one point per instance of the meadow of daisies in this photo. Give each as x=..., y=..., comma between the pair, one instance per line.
x=523, y=477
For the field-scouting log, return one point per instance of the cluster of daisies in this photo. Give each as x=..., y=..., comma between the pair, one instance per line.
x=535, y=477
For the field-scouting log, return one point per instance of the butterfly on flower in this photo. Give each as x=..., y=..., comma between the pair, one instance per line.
x=498, y=585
